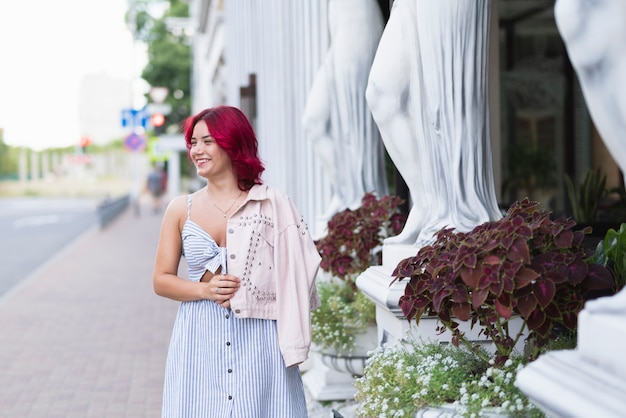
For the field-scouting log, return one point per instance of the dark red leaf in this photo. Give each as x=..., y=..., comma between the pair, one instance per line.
x=577, y=271
x=460, y=295
x=470, y=261
x=556, y=277
x=519, y=251
x=545, y=329
x=524, y=277
x=479, y=296
x=508, y=284
x=599, y=278
x=536, y=319
x=491, y=259
x=553, y=312
x=496, y=288
x=564, y=239
x=503, y=310
x=471, y=276
x=439, y=298
x=461, y=311
x=544, y=291
x=526, y=304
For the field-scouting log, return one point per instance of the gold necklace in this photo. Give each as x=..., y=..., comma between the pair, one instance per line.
x=230, y=207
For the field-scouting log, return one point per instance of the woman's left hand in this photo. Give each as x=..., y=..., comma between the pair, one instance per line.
x=224, y=287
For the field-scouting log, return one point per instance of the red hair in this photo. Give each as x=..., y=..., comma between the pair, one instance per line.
x=232, y=131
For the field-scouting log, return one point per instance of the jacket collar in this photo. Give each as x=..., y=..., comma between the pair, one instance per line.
x=257, y=192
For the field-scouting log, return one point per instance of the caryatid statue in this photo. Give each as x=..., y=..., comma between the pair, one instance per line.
x=595, y=37
x=337, y=119
x=428, y=93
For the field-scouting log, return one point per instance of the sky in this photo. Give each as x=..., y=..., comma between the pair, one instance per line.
x=46, y=47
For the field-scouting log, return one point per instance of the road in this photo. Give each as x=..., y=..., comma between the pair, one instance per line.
x=33, y=230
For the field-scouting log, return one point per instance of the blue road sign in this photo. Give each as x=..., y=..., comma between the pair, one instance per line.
x=133, y=118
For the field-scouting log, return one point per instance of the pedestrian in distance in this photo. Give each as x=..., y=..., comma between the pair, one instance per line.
x=243, y=325
x=156, y=185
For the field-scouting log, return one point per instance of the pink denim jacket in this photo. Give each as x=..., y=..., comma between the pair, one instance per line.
x=271, y=250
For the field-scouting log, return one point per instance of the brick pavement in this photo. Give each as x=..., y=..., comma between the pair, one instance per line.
x=85, y=336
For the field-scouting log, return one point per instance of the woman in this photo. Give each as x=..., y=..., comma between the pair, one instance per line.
x=243, y=325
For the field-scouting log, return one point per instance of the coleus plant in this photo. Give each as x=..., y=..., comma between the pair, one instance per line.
x=354, y=238
x=524, y=264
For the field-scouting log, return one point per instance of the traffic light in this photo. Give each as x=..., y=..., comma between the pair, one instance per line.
x=158, y=122
x=84, y=142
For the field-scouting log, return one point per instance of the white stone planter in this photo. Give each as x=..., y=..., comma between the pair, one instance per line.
x=352, y=362
x=448, y=412
x=333, y=374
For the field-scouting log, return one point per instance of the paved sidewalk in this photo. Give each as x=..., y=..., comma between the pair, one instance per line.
x=85, y=335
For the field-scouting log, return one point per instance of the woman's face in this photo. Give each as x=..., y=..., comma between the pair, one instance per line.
x=208, y=157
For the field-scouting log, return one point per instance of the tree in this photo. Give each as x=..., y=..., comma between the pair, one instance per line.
x=169, y=52
x=8, y=159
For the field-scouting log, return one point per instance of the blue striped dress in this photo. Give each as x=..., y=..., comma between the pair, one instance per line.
x=221, y=366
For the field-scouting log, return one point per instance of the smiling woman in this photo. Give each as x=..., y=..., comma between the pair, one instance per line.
x=49, y=54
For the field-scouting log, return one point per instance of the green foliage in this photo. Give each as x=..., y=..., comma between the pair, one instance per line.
x=585, y=199
x=169, y=57
x=402, y=378
x=524, y=264
x=342, y=315
x=611, y=252
x=8, y=159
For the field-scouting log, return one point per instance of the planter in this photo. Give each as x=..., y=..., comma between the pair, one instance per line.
x=333, y=373
x=448, y=412
x=352, y=362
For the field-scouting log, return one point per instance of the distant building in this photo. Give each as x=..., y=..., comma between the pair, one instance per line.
x=101, y=101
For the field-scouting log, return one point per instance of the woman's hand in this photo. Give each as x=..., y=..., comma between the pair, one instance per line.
x=222, y=287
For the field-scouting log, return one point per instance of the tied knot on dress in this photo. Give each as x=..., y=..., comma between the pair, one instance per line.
x=216, y=258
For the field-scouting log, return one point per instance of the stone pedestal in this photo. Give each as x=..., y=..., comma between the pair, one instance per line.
x=590, y=380
x=332, y=376
x=326, y=384
x=377, y=283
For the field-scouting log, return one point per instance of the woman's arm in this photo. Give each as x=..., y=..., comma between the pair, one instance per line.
x=166, y=281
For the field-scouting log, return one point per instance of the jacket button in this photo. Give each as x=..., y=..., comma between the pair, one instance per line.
x=230, y=231
x=237, y=311
x=232, y=256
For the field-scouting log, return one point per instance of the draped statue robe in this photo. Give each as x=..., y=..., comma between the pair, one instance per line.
x=428, y=92
x=337, y=119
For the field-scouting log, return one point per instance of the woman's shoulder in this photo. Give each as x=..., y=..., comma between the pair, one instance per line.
x=178, y=206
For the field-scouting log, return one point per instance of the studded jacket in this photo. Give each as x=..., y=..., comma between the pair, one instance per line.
x=270, y=249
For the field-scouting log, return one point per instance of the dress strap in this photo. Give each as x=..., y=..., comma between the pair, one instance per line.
x=188, y=206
